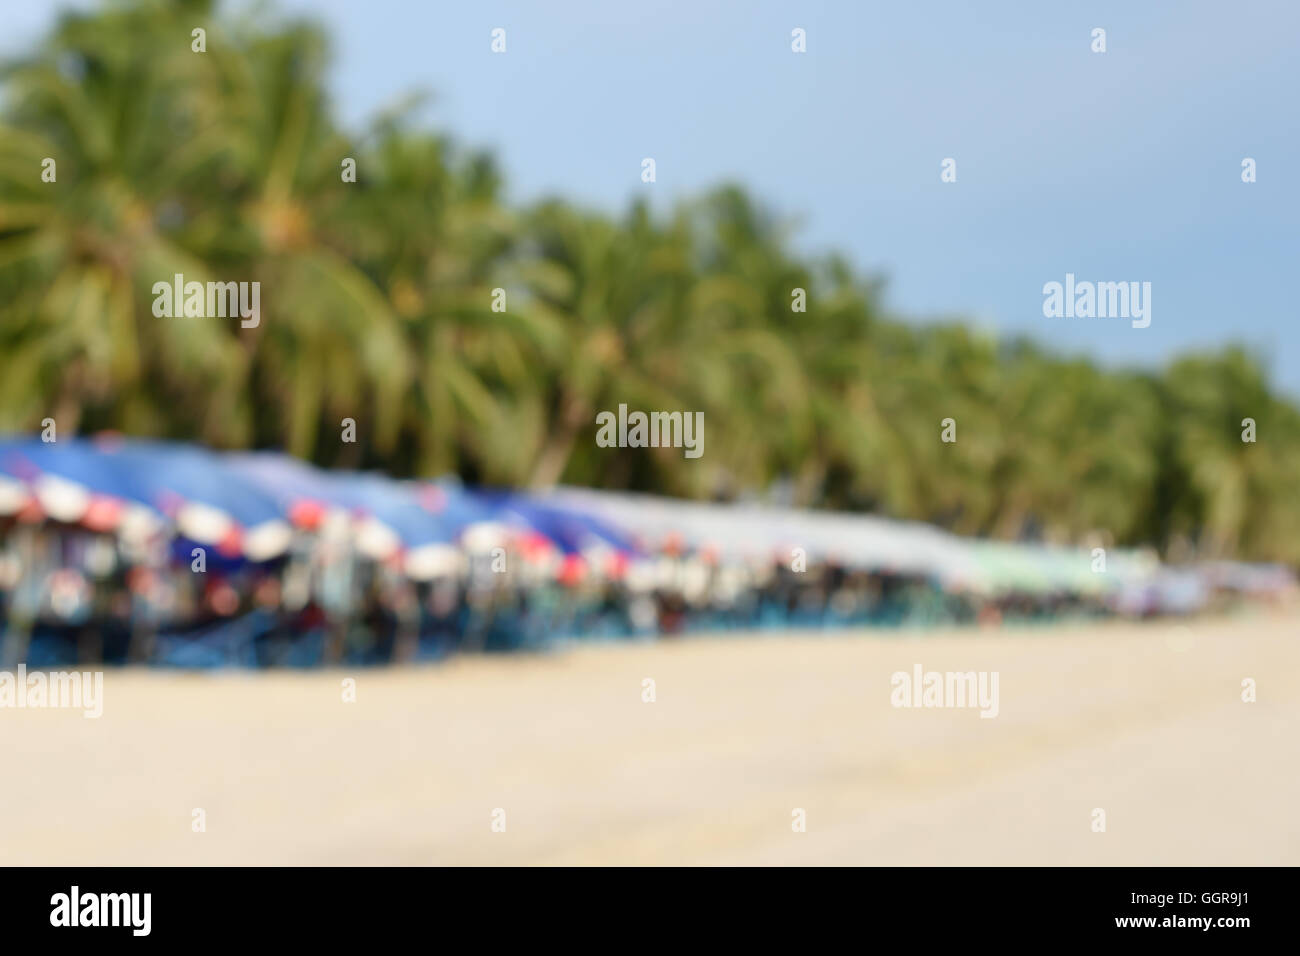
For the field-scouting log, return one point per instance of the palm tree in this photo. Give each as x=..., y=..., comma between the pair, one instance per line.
x=1232, y=489
x=117, y=101
x=330, y=346
x=614, y=291
x=428, y=225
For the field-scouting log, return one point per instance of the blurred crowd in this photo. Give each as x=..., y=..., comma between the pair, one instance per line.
x=70, y=594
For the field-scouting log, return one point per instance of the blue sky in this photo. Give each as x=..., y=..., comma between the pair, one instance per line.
x=1116, y=166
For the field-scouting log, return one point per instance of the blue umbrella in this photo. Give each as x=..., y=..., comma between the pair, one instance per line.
x=572, y=531
x=209, y=503
x=293, y=485
x=75, y=460
x=461, y=507
x=388, y=517
x=178, y=474
x=397, y=506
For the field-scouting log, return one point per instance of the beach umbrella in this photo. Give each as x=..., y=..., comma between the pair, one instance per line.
x=459, y=506
x=411, y=523
x=69, y=480
x=110, y=483
x=209, y=502
x=479, y=517
x=304, y=495
x=392, y=522
x=572, y=529
x=72, y=481
x=560, y=532
x=476, y=517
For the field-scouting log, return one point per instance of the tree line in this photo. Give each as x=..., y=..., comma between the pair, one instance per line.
x=467, y=335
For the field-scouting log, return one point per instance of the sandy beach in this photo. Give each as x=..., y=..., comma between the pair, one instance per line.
x=1143, y=721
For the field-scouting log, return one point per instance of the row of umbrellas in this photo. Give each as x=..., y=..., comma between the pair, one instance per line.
x=252, y=505
x=749, y=532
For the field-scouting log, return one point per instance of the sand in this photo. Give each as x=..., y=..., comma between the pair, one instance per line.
x=1145, y=722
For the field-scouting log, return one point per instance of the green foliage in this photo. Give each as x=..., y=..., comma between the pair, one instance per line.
x=377, y=305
